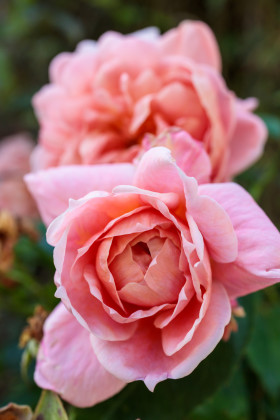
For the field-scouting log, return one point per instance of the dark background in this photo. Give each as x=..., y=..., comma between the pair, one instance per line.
x=248, y=32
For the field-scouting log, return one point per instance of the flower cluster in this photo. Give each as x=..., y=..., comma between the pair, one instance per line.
x=153, y=245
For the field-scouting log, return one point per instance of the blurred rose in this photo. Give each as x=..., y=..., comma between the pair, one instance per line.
x=148, y=270
x=15, y=154
x=103, y=98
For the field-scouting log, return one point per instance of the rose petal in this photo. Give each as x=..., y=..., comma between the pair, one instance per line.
x=247, y=142
x=258, y=262
x=53, y=188
x=194, y=40
x=66, y=363
x=128, y=360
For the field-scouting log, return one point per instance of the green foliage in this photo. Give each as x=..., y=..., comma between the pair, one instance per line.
x=273, y=125
x=32, y=276
x=49, y=407
x=229, y=403
x=264, y=349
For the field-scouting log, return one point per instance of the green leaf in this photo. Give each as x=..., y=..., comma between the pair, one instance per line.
x=175, y=398
x=229, y=403
x=273, y=125
x=49, y=407
x=28, y=355
x=263, y=350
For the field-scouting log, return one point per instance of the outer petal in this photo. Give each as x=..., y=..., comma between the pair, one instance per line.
x=247, y=142
x=53, y=188
x=216, y=228
x=147, y=34
x=193, y=40
x=258, y=261
x=128, y=360
x=67, y=364
x=218, y=103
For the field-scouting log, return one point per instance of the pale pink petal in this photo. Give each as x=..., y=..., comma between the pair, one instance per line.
x=218, y=103
x=142, y=221
x=158, y=172
x=147, y=34
x=141, y=295
x=180, y=331
x=53, y=188
x=124, y=269
x=185, y=295
x=163, y=275
x=94, y=146
x=146, y=83
x=176, y=101
x=216, y=228
x=207, y=335
x=141, y=112
x=128, y=360
x=247, y=142
x=66, y=363
x=57, y=65
x=86, y=46
x=193, y=40
x=104, y=327
x=65, y=72
x=258, y=262
x=188, y=153
x=86, y=305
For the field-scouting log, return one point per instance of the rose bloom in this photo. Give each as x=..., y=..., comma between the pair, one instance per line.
x=15, y=154
x=146, y=271
x=104, y=97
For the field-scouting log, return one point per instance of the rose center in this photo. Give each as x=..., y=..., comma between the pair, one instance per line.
x=141, y=255
x=147, y=269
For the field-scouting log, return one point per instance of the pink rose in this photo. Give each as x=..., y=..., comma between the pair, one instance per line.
x=103, y=98
x=148, y=271
x=15, y=154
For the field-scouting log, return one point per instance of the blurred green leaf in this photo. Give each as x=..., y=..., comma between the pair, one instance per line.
x=264, y=349
x=28, y=355
x=273, y=125
x=49, y=407
x=229, y=403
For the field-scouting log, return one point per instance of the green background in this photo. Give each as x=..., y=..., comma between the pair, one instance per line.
x=248, y=32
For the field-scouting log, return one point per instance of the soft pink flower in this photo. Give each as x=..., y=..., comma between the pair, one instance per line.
x=15, y=154
x=148, y=270
x=104, y=97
